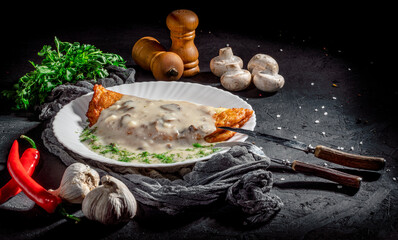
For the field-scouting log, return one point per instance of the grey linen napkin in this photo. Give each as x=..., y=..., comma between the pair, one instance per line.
x=63, y=94
x=238, y=177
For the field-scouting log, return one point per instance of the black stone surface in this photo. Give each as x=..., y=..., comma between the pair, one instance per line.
x=333, y=58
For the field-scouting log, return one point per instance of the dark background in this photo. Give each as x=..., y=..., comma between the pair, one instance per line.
x=331, y=36
x=363, y=31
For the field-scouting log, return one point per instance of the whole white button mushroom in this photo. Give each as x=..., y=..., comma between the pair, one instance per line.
x=265, y=70
x=267, y=82
x=235, y=78
x=218, y=65
x=262, y=62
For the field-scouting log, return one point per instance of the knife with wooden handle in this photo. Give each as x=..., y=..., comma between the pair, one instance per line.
x=320, y=151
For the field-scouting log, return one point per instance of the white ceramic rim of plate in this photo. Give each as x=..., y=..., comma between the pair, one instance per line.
x=72, y=115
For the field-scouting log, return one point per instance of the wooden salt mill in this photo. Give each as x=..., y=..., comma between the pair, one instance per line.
x=182, y=24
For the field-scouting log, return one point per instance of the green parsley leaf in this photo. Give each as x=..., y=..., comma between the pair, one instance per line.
x=69, y=62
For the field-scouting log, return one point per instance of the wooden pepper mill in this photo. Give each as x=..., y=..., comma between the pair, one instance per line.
x=182, y=24
x=149, y=54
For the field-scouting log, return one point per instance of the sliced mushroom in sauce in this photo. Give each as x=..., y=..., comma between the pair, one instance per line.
x=171, y=107
x=127, y=105
x=125, y=119
x=154, y=123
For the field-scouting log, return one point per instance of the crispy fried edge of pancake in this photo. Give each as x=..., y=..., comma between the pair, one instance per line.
x=102, y=99
x=228, y=117
x=234, y=117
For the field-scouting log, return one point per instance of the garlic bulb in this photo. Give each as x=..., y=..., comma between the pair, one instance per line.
x=110, y=203
x=78, y=180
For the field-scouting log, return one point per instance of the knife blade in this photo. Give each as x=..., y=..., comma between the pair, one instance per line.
x=282, y=141
x=320, y=151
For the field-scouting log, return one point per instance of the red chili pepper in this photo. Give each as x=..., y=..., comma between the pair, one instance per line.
x=30, y=187
x=29, y=160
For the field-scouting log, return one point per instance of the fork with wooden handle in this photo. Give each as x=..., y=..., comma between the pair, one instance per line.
x=323, y=172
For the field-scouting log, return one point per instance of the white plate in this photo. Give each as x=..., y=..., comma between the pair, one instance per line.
x=71, y=119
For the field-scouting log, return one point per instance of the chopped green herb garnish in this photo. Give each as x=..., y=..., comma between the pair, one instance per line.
x=144, y=154
x=125, y=159
x=88, y=134
x=111, y=148
x=163, y=157
x=115, y=152
x=197, y=145
x=145, y=160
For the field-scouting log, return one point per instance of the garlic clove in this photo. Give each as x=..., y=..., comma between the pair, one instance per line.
x=110, y=203
x=235, y=79
x=77, y=181
x=267, y=82
x=218, y=64
x=263, y=62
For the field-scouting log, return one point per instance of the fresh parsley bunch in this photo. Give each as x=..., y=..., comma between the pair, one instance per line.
x=68, y=62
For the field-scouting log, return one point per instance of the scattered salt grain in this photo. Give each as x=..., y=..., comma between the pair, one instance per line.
x=339, y=186
x=279, y=128
x=258, y=45
x=299, y=107
x=316, y=121
x=282, y=179
x=278, y=115
x=323, y=107
x=394, y=178
x=312, y=84
x=325, y=164
x=316, y=109
x=334, y=98
x=281, y=50
x=227, y=44
x=294, y=137
x=352, y=148
x=325, y=113
x=360, y=143
x=323, y=133
x=340, y=148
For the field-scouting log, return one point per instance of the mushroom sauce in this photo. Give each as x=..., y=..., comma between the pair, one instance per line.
x=151, y=131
